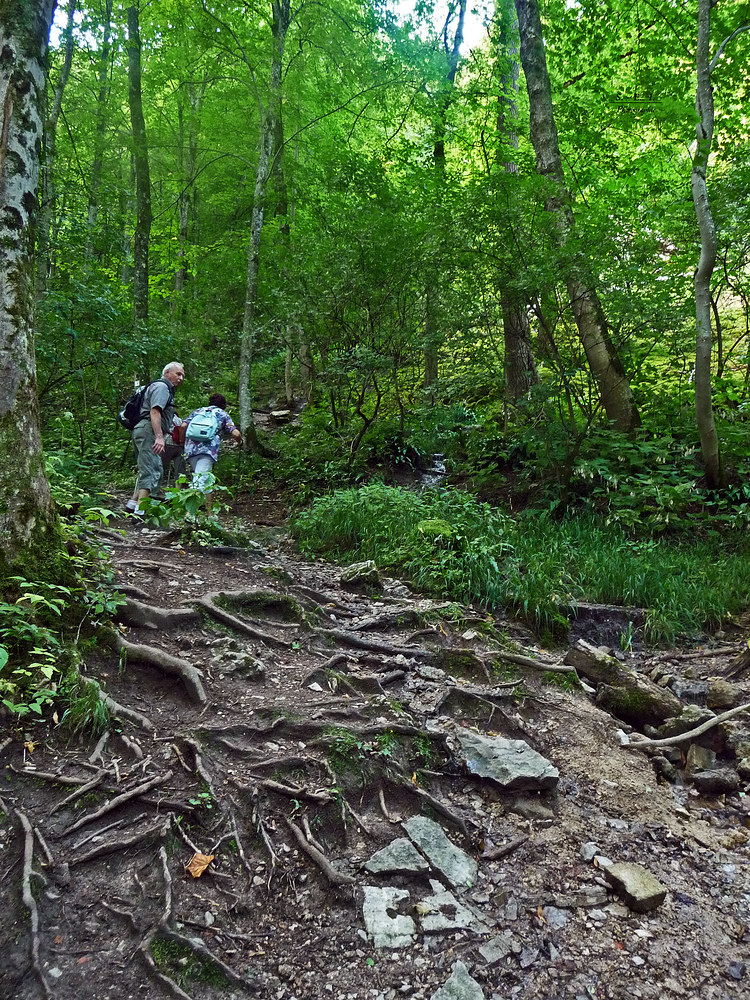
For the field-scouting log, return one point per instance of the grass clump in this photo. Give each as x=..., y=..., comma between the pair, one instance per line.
x=534, y=565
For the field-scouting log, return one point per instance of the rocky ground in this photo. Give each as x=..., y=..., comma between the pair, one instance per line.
x=312, y=788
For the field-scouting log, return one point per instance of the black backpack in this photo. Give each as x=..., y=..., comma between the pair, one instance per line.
x=130, y=415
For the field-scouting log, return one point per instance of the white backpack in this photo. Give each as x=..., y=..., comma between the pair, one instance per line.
x=203, y=427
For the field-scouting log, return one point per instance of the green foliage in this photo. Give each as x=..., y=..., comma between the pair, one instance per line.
x=181, y=962
x=568, y=681
x=534, y=565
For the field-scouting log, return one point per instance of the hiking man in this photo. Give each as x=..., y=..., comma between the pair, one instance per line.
x=204, y=429
x=155, y=420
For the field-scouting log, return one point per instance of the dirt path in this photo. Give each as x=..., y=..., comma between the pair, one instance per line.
x=299, y=724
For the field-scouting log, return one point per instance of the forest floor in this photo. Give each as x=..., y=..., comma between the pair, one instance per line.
x=301, y=726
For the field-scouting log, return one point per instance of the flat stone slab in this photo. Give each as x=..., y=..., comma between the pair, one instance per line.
x=497, y=948
x=399, y=856
x=510, y=764
x=430, y=838
x=460, y=986
x=636, y=885
x=442, y=912
x=387, y=928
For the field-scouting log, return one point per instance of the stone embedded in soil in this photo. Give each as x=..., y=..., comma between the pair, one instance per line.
x=386, y=930
x=689, y=718
x=460, y=986
x=442, y=912
x=361, y=574
x=497, y=948
x=636, y=885
x=510, y=764
x=723, y=695
x=399, y=856
x=721, y=781
x=699, y=759
x=430, y=838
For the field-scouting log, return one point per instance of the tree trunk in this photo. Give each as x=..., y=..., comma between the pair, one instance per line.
x=519, y=365
x=142, y=232
x=30, y=542
x=101, y=126
x=604, y=363
x=704, y=130
x=44, y=265
x=279, y=28
x=433, y=328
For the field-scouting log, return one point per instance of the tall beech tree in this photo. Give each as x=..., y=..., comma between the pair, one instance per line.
x=605, y=365
x=48, y=192
x=279, y=27
x=29, y=533
x=144, y=216
x=520, y=369
x=704, y=132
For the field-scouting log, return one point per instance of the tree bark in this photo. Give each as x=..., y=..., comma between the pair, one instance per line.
x=48, y=194
x=603, y=361
x=433, y=333
x=519, y=365
x=142, y=232
x=101, y=126
x=30, y=542
x=279, y=28
x=704, y=130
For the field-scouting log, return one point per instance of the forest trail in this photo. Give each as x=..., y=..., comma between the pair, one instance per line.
x=303, y=726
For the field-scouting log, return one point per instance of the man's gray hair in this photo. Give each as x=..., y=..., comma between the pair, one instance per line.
x=170, y=366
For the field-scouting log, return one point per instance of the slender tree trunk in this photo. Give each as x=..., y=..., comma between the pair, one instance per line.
x=30, y=542
x=188, y=152
x=279, y=28
x=101, y=128
x=142, y=232
x=704, y=130
x=433, y=334
x=519, y=364
x=48, y=194
x=604, y=363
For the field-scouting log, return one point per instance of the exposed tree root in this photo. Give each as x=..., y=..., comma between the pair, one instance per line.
x=384, y=807
x=105, y=829
x=60, y=779
x=118, y=711
x=99, y=748
x=643, y=743
x=405, y=616
x=130, y=590
x=81, y=790
x=357, y=818
x=440, y=807
x=118, y=801
x=139, y=615
x=155, y=657
x=155, y=832
x=501, y=852
x=528, y=661
x=295, y=792
x=208, y=605
x=199, y=768
x=350, y=639
x=334, y=877
x=28, y=898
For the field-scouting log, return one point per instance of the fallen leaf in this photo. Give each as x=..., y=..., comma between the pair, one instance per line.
x=82, y=961
x=30, y=746
x=199, y=863
x=540, y=915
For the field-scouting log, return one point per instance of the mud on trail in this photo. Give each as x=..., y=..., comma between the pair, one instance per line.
x=288, y=729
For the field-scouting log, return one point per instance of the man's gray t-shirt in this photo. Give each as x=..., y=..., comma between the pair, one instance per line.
x=158, y=394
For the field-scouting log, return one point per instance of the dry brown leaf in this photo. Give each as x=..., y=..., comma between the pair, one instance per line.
x=199, y=863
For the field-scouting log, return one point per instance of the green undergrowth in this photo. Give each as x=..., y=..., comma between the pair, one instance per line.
x=534, y=565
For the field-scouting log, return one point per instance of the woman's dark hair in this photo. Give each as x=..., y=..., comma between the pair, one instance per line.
x=218, y=400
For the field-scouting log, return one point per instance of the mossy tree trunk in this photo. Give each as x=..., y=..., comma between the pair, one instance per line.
x=606, y=367
x=30, y=542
